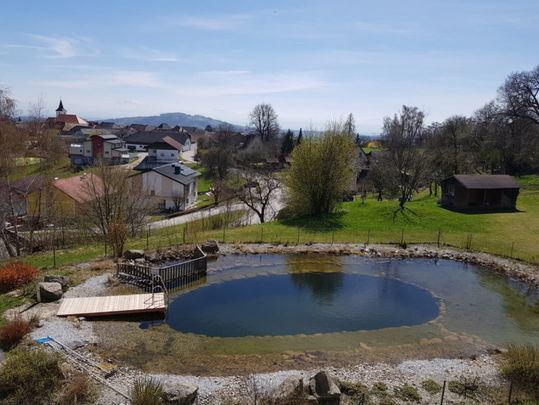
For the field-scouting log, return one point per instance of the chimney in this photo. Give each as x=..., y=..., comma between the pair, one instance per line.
x=177, y=169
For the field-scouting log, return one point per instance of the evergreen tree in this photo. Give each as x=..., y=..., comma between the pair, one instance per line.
x=300, y=137
x=350, y=125
x=288, y=143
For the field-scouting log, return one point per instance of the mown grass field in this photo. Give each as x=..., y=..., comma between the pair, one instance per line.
x=508, y=234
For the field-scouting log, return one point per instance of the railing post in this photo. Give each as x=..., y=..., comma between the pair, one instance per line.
x=443, y=393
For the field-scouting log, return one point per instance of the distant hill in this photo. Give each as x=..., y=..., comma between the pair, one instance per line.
x=173, y=119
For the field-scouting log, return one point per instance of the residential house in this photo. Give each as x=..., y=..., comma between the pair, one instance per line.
x=170, y=187
x=107, y=148
x=14, y=195
x=160, y=153
x=139, y=141
x=479, y=192
x=63, y=197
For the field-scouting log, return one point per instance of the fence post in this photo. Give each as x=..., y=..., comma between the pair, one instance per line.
x=443, y=393
x=224, y=232
x=184, y=232
x=510, y=392
x=298, y=235
x=512, y=249
x=439, y=236
x=148, y=237
x=262, y=233
x=332, y=237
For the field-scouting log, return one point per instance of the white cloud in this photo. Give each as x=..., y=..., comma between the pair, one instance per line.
x=123, y=78
x=57, y=47
x=215, y=23
x=148, y=54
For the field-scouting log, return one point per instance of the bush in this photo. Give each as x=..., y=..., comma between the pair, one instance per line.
x=520, y=365
x=30, y=377
x=78, y=390
x=16, y=274
x=407, y=393
x=431, y=386
x=12, y=332
x=146, y=391
x=358, y=390
x=465, y=387
x=379, y=389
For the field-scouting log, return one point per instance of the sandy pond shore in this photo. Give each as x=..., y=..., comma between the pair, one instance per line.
x=80, y=334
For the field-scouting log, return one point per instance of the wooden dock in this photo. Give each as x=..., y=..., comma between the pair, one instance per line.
x=113, y=305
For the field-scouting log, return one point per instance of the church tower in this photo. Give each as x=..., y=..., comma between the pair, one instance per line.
x=60, y=110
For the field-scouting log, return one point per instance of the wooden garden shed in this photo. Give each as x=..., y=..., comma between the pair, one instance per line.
x=465, y=192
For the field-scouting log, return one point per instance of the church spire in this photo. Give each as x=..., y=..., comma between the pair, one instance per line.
x=60, y=110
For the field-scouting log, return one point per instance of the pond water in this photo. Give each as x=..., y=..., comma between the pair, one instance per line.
x=285, y=295
x=301, y=303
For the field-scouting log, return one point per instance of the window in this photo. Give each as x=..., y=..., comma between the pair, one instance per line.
x=172, y=154
x=152, y=192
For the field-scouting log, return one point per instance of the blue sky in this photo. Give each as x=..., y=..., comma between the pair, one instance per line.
x=314, y=61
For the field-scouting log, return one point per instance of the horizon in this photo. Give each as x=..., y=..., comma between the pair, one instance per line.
x=313, y=61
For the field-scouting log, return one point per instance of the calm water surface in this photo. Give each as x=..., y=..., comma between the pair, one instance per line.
x=305, y=294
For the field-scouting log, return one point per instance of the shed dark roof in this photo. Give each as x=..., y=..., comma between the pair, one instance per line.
x=486, y=181
x=147, y=138
x=186, y=175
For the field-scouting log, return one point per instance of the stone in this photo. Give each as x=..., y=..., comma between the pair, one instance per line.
x=83, y=266
x=210, y=246
x=58, y=279
x=14, y=293
x=132, y=254
x=290, y=389
x=49, y=292
x=324, y=389
x=176, y=393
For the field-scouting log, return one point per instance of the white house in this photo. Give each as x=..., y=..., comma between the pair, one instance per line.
x=172, y=186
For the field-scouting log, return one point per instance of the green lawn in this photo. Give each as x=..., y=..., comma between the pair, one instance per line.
x=374, y=221
x=204, y=184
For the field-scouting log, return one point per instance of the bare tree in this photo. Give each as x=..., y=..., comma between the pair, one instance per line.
x=116, y=210
x=7, y=105
x=406, y=158
x=256, y=190
x=264, y=120
x=350, y=125
x=520, y=95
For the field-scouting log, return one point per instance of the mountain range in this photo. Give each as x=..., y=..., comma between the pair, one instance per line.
x=173, y=119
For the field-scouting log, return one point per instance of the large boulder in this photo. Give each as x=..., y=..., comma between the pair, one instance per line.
x=49, y=292
x=324, y=389
x=291, y=389
x=211, y=247
x=177, y=393
x=133, y=254
x=58, y=279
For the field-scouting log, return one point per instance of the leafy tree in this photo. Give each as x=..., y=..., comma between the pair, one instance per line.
x=322, y=172
x=288, y=143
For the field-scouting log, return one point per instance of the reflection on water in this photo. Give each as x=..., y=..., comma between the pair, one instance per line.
x=323, y=289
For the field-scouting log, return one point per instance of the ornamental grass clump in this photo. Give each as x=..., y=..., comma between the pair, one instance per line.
x=146, y=391
x=520, y=365
x=12, y=332
x=16, y=274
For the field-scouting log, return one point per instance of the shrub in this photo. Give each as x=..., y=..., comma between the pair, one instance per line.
x=355, y=390
x=29, y=377
x=431, y=386
x=16, y=274
x=465, y=387
x=146, y=391
x=407, y=393
x=12, y=332
x=520, y=365
x=379, y=389
x=78, y=389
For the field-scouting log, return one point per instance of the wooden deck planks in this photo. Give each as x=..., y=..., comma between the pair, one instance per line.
x=112, y=305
